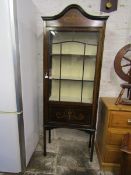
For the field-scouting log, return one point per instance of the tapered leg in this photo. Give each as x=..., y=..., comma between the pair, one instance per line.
x=92, y=146
x=44, y=139
x=90, y=135
x=49, y=136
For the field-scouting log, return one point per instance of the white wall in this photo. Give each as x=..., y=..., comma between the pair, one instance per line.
x=29, y=73
x=118, y=34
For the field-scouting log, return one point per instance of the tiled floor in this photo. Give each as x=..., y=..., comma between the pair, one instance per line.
x=64, y=157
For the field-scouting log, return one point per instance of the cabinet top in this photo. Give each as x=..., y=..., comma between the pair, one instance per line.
x=74, y=15
x=110, y=104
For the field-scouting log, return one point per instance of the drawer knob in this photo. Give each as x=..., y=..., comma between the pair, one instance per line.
x=129, y=121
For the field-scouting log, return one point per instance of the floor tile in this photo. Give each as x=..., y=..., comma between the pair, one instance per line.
x=51, y=147
x=61, y=170
x=35, y=173
x=110, y=173
x=42, y=164
x=73, y=154
x=8, y=173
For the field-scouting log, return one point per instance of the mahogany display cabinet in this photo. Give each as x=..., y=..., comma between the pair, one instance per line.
x=73, y=46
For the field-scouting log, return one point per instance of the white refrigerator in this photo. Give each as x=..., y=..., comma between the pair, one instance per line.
x=19, y=125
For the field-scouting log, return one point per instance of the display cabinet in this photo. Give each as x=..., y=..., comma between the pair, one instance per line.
x=73, y=46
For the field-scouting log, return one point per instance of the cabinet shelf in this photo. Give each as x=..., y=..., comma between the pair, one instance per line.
x=70, y=99
x=70, y=79
x=76, y=55
x=64, y=103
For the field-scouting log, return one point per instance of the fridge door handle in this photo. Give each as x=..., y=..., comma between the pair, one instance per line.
x=11, y=112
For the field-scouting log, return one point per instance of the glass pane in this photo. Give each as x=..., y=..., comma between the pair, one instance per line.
x=56, y=49
x=89, y=68
x=87, y=94
x=73, y=48
x=91, y=50
x=72, y=66
x=85, y=37
x=54, y=95
x=70, y=91
x=55, y=71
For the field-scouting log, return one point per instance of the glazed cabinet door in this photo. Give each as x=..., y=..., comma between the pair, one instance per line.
x=72, y=60
x=72, y=70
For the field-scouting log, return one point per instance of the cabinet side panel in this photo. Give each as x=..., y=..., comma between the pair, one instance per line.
x=102, y=128
x=29, y=74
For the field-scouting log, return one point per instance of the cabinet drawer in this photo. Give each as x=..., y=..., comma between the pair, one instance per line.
x=61, y=114
x=115, y=136
x=120, y=119
x=112, y=155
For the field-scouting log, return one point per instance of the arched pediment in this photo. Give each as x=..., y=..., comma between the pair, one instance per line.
x=74, y=15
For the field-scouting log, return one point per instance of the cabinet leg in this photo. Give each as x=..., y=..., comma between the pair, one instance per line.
x=44, y=140
x=89, y=140
x=49, y=136
x=92, y=147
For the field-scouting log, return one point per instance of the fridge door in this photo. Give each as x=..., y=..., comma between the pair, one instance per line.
x=9, y=134
x=7, y=80
x=9, y=143
x=11, y=152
